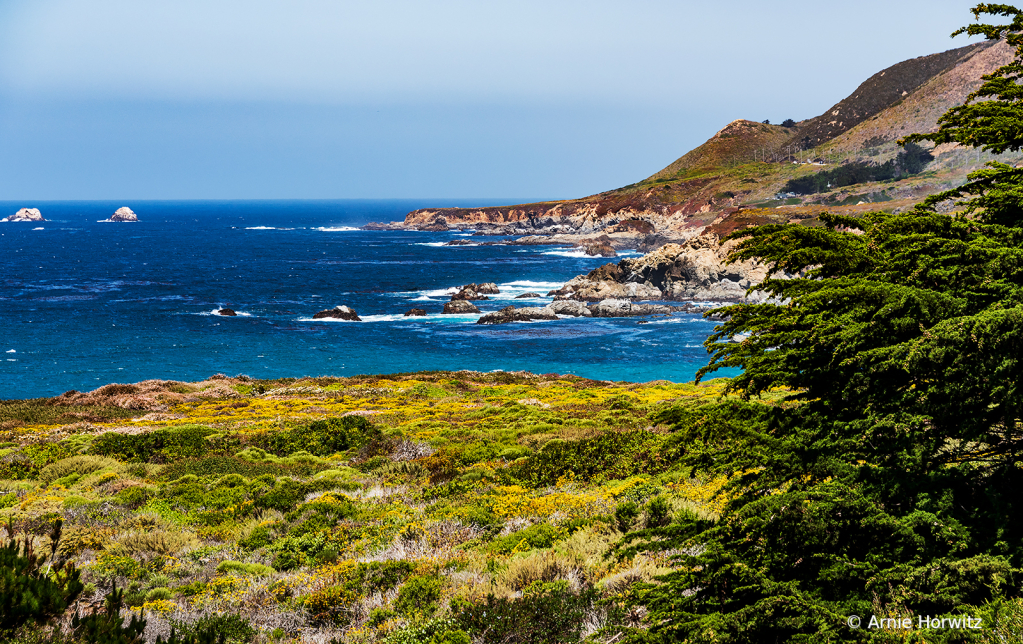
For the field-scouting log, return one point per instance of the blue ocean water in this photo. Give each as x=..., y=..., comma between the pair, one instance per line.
x=84, y=302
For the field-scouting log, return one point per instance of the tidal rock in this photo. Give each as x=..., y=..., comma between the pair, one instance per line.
x=571, y=307
x=476, y=291
x=524, y=314
x=124, y=213
x=527, y=295
x=600, y=249
x=460, y=306
x=27, y=214
x=460, y=242
x=226, y=311
x=625, y=308
x=415, y=313
x=339, y=313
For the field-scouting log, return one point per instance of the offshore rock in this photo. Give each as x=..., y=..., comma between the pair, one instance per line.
x=26, y=214
x=527, y=296
x=524, y=314
x=415, y=313
x=455, y=307
x=124, y=213
x=226, y=311
x=339, y=313
x=476, y=291
x=625, y=308
x=571, y=307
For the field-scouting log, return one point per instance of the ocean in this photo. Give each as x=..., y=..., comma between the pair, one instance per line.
x=85, y=302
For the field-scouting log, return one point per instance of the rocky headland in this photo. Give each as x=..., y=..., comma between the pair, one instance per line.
x=26, y=214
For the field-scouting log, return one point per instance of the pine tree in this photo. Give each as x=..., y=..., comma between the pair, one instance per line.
x=888, y=486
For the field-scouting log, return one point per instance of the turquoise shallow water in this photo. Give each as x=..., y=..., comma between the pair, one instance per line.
x=85, y=302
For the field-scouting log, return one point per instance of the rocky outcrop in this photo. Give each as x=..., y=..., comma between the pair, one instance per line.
x=455, y=307
x=476, y=291
x=527, y=296
x=694, y=270
x=600, y=249
x=524, y=314
x=625, y=309
x=415, y=313
x=570, y=307
x=124, y=213
x=339, y=313
x=226, y=311
x=26, y=214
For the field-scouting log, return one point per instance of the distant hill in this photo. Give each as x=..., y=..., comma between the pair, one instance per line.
x=746, y=165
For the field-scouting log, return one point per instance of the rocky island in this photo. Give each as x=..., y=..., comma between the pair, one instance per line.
x=26, y=214
x=124, y=213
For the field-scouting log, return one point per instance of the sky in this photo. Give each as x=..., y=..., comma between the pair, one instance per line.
x=333, y=99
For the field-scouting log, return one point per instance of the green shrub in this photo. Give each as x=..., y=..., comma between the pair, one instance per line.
x=319, y=438
x=547, y=615
x=27, y=593
x=158, y=593
x=658, y=512
x=613, y=455
x=160, y=446
x=135, y=496
x=541, y=535
x=226, y=628
x=418, y=595
x=625, y=515
x=260, y=537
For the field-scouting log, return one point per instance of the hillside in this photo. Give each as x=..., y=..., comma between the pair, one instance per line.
x=747, y=164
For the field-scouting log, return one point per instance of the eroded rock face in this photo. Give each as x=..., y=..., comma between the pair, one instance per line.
x=694, y=270
x=525, y=296
x=339, y=313
x=228, y=312
x=27, y=214
x=124, y=213
x=523, y=314
x=571, y=307
x=415, y=313
x=455, y=307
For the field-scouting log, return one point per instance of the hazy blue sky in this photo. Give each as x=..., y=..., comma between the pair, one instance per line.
x=396, y=98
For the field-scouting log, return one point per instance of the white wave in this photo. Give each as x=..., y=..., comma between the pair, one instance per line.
x=529, y=285
x=12, y=359
x=40, y=228
x=335, y=229
x=434, y=244
x=323, y=320
x=4, y=219
x=11, y=351
x=574, y=254
x=463, y=234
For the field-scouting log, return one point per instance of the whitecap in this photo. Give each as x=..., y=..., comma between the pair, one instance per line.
x=40, y=228
x=574, y=254
x=11, y=351
x=434, y=244
x=323, y=320
x=335, y=229
x=260, y=228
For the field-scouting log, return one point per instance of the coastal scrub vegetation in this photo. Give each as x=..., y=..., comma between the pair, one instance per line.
x=430, y=507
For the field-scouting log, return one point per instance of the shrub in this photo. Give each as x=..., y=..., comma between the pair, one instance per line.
x=80, y=465
x=331, y=604
x=418, y=594
x=613, y=455
x=548, y=615
x=658, y=512
x=319, y=438
x=625, y=515
x=27, y=593
x=226, y=628
x=160, y=446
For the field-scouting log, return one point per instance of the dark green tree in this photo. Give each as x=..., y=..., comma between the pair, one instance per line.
x=886, y=486
x=32, y=588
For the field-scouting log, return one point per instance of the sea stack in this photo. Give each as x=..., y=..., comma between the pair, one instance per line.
x=27, y=214
x=124, y=213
